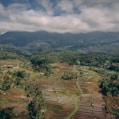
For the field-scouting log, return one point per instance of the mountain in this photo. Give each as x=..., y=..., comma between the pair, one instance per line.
x=45, y=41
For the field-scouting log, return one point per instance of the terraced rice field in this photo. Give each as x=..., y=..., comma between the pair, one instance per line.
x=62, y=95
x=91, y=108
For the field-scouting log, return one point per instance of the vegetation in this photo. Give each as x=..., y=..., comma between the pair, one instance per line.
x=35, y=106
x=110, y=88
x=6, y=113
x=42, y=65
x=44, y=73
x=38, y=42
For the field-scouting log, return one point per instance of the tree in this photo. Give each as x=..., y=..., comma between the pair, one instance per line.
x=110, y=89
x=35, y=106
x=6, y=113
x=109, y=86
x=42, y=65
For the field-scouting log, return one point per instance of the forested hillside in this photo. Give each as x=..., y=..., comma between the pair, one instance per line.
x=37, y=42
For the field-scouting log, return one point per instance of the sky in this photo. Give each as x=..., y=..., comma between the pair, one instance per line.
x=75, y=16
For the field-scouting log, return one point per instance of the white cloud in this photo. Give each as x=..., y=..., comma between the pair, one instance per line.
x=47, y=5
x=65, y=6
x=100, y=15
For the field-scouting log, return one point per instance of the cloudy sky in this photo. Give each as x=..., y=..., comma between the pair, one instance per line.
x=59, y=15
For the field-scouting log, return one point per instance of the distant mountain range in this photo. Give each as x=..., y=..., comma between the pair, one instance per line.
x=44, y=41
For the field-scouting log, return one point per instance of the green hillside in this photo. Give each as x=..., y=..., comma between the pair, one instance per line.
x=37, y=42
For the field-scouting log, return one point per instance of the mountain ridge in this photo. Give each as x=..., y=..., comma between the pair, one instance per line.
x=42, y=40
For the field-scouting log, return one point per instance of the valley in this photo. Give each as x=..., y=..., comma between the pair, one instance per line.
x=58, y=84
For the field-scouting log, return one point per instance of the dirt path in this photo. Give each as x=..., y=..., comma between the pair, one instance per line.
x=75, y=110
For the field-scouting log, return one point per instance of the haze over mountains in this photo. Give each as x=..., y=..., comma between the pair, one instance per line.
x=45, y=41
